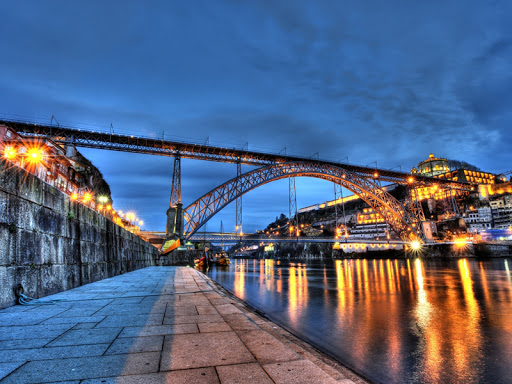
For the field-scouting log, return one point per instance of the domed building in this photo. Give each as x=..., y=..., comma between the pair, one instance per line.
x=433, y=166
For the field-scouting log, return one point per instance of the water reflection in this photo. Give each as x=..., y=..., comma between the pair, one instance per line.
x=395, y=321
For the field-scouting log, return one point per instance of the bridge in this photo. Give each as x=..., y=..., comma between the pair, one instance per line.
x=404, y=218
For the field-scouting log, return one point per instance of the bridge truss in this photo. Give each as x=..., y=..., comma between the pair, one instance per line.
x=161, y=147
x=400, y=218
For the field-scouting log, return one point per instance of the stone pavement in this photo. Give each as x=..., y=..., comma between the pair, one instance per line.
x=154, y=325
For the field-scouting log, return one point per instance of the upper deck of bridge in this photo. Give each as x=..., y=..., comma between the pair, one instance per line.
x=161, y=147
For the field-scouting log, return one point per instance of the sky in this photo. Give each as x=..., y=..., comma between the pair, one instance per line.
x=384, y=82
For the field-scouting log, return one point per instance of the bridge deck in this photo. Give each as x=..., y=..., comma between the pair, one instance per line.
x=155, y=325
x=161, y=147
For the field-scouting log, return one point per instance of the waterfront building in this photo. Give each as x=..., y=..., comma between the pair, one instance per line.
x=478, y=220
x=370, y=225
x=489, y=191
x=45, y=160
x=501, y=213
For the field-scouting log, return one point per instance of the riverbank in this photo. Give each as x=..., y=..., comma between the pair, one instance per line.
x=157, y=324
x=323, y=251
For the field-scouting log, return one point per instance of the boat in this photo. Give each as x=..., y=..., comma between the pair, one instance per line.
x=200, y=262
x=222, y=260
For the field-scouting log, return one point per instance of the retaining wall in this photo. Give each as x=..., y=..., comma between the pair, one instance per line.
x=49, y=244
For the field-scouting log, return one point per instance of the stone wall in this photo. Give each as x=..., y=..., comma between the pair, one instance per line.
x=49, y=244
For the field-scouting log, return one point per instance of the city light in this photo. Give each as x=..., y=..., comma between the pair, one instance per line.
x=35, y=156
x=102, y=199
x=87, y=197
x=416, y=245
x=74, y=196
x=9, y=152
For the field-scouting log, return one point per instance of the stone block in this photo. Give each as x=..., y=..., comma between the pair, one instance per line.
x=7, y=245
x=28, y=248
x=203, y=350
x=243, y=373
x=84, y=368
x=298, y=372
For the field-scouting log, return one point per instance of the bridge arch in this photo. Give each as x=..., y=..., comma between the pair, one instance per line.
x=400, y=218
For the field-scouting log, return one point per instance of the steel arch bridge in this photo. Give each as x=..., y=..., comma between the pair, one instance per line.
x=401, y=218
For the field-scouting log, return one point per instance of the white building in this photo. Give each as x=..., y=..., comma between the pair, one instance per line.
x=479, y=219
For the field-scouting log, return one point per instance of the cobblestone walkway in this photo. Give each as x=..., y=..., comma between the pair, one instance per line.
x=155, y=325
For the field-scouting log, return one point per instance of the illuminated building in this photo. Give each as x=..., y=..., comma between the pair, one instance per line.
x=55, y=164
x=370, y=225
x=488, y=191
x=469, y=176
x=433, y=166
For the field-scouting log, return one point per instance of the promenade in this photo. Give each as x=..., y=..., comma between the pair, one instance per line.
x=154, y=325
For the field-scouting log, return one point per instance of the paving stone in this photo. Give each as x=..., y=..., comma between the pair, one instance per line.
x=136, y=345
x=214, y=327
x=227, y=309
x=33, y=331
x=86, y=336
x=6, y=368
x=73, y=320
x=187, y=310
x=266, y=348
x=218, y=301
x=188, y=376
x=49, y=371
x=13, y=355
x=131, y=320
x=297, y=372
x=240, y=322
x=153, y=330
x=203, y=350
x=50, y=353
x=24, y=343
x=206, y=310
x=193, y=319
x=23, y=318
x=243, y=373
x=84, y=325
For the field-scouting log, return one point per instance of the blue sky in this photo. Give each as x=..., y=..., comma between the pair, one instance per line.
x=375, y=81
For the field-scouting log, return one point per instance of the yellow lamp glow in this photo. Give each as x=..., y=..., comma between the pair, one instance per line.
x=9, y=153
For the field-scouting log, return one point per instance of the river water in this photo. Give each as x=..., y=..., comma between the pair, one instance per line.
x=393, y=321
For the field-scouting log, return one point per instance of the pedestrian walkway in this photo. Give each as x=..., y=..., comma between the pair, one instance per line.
x=155, y=325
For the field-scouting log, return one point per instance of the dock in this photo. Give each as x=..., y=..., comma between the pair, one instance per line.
x=154, y=325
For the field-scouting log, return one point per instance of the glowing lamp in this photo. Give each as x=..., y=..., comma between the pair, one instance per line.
x=416, y=245
x=35, y=156
x=74, y=196
x=9, y=153
x=87, y=196
x=375, y=175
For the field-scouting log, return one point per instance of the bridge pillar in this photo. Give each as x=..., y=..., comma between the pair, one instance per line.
x=174, y=226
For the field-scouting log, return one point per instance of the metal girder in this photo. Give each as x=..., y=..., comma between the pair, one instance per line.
x=238, y=224
x=397, y=215
x=338, y=194
x=176, y=182
x=292, y=206
x=161, y=147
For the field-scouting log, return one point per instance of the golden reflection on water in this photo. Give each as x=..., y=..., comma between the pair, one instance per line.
x=239, y=283
x=297, y=291
x=433, y=316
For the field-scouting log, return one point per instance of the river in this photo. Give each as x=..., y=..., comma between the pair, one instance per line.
x=392, y=321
